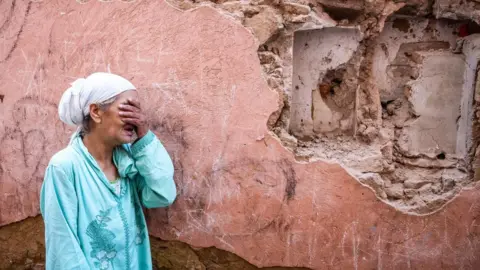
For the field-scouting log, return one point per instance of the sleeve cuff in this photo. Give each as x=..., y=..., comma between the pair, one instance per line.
x=139, y=145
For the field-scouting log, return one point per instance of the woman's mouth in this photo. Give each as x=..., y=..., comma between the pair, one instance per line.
x=130, y=129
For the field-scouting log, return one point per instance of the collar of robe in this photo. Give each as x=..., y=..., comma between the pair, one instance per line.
x=121, y=158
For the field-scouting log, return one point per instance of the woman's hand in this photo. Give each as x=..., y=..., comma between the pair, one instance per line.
x=131, y=113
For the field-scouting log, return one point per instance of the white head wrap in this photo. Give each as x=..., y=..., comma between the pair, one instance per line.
x=95, y=89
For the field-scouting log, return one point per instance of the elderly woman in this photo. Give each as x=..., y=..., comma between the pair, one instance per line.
x=92, y=195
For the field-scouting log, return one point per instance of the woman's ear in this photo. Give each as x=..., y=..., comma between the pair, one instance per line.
x=96, y=113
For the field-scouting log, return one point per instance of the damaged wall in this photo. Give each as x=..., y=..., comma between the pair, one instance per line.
x=319, y=102
x=319, y=134
x=417, y=156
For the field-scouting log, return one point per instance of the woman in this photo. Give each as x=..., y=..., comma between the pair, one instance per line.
x=92, y=195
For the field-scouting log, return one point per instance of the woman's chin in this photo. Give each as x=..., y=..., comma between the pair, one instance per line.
x=127, y=136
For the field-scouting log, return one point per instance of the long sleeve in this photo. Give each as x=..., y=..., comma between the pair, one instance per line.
x=58, y=205
x=155, y=172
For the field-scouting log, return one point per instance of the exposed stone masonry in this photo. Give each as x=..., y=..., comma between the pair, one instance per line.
x=378, y=87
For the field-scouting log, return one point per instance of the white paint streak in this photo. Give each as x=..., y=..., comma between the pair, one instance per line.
x=143, y=60
x=66, y=45
x=407, y=248
x=232, y=248
x=355, y=244
x=379, y=251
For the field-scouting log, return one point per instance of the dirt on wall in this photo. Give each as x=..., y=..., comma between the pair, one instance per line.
x=23, y=247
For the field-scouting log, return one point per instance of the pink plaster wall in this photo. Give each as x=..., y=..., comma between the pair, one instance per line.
x=202, y=84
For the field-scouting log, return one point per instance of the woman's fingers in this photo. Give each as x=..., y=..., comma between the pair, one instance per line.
x=131, y=113
x=132, y=121
x=134, y=102
x=126, y=114
x=138, y=118
x=126, y=107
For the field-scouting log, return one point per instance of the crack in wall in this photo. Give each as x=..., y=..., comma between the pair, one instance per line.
x=17, y=35
x=8, y=18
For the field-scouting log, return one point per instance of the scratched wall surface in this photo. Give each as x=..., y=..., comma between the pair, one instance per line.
x=239, y=189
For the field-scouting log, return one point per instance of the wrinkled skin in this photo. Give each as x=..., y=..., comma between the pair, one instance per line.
x=121, y=120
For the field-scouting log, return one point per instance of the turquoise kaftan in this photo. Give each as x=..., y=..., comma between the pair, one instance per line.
x=87, y=224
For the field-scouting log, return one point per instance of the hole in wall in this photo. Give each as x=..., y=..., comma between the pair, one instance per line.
x=339, y=13
x=418, y=77
x=423, y=83
x=324, y=102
